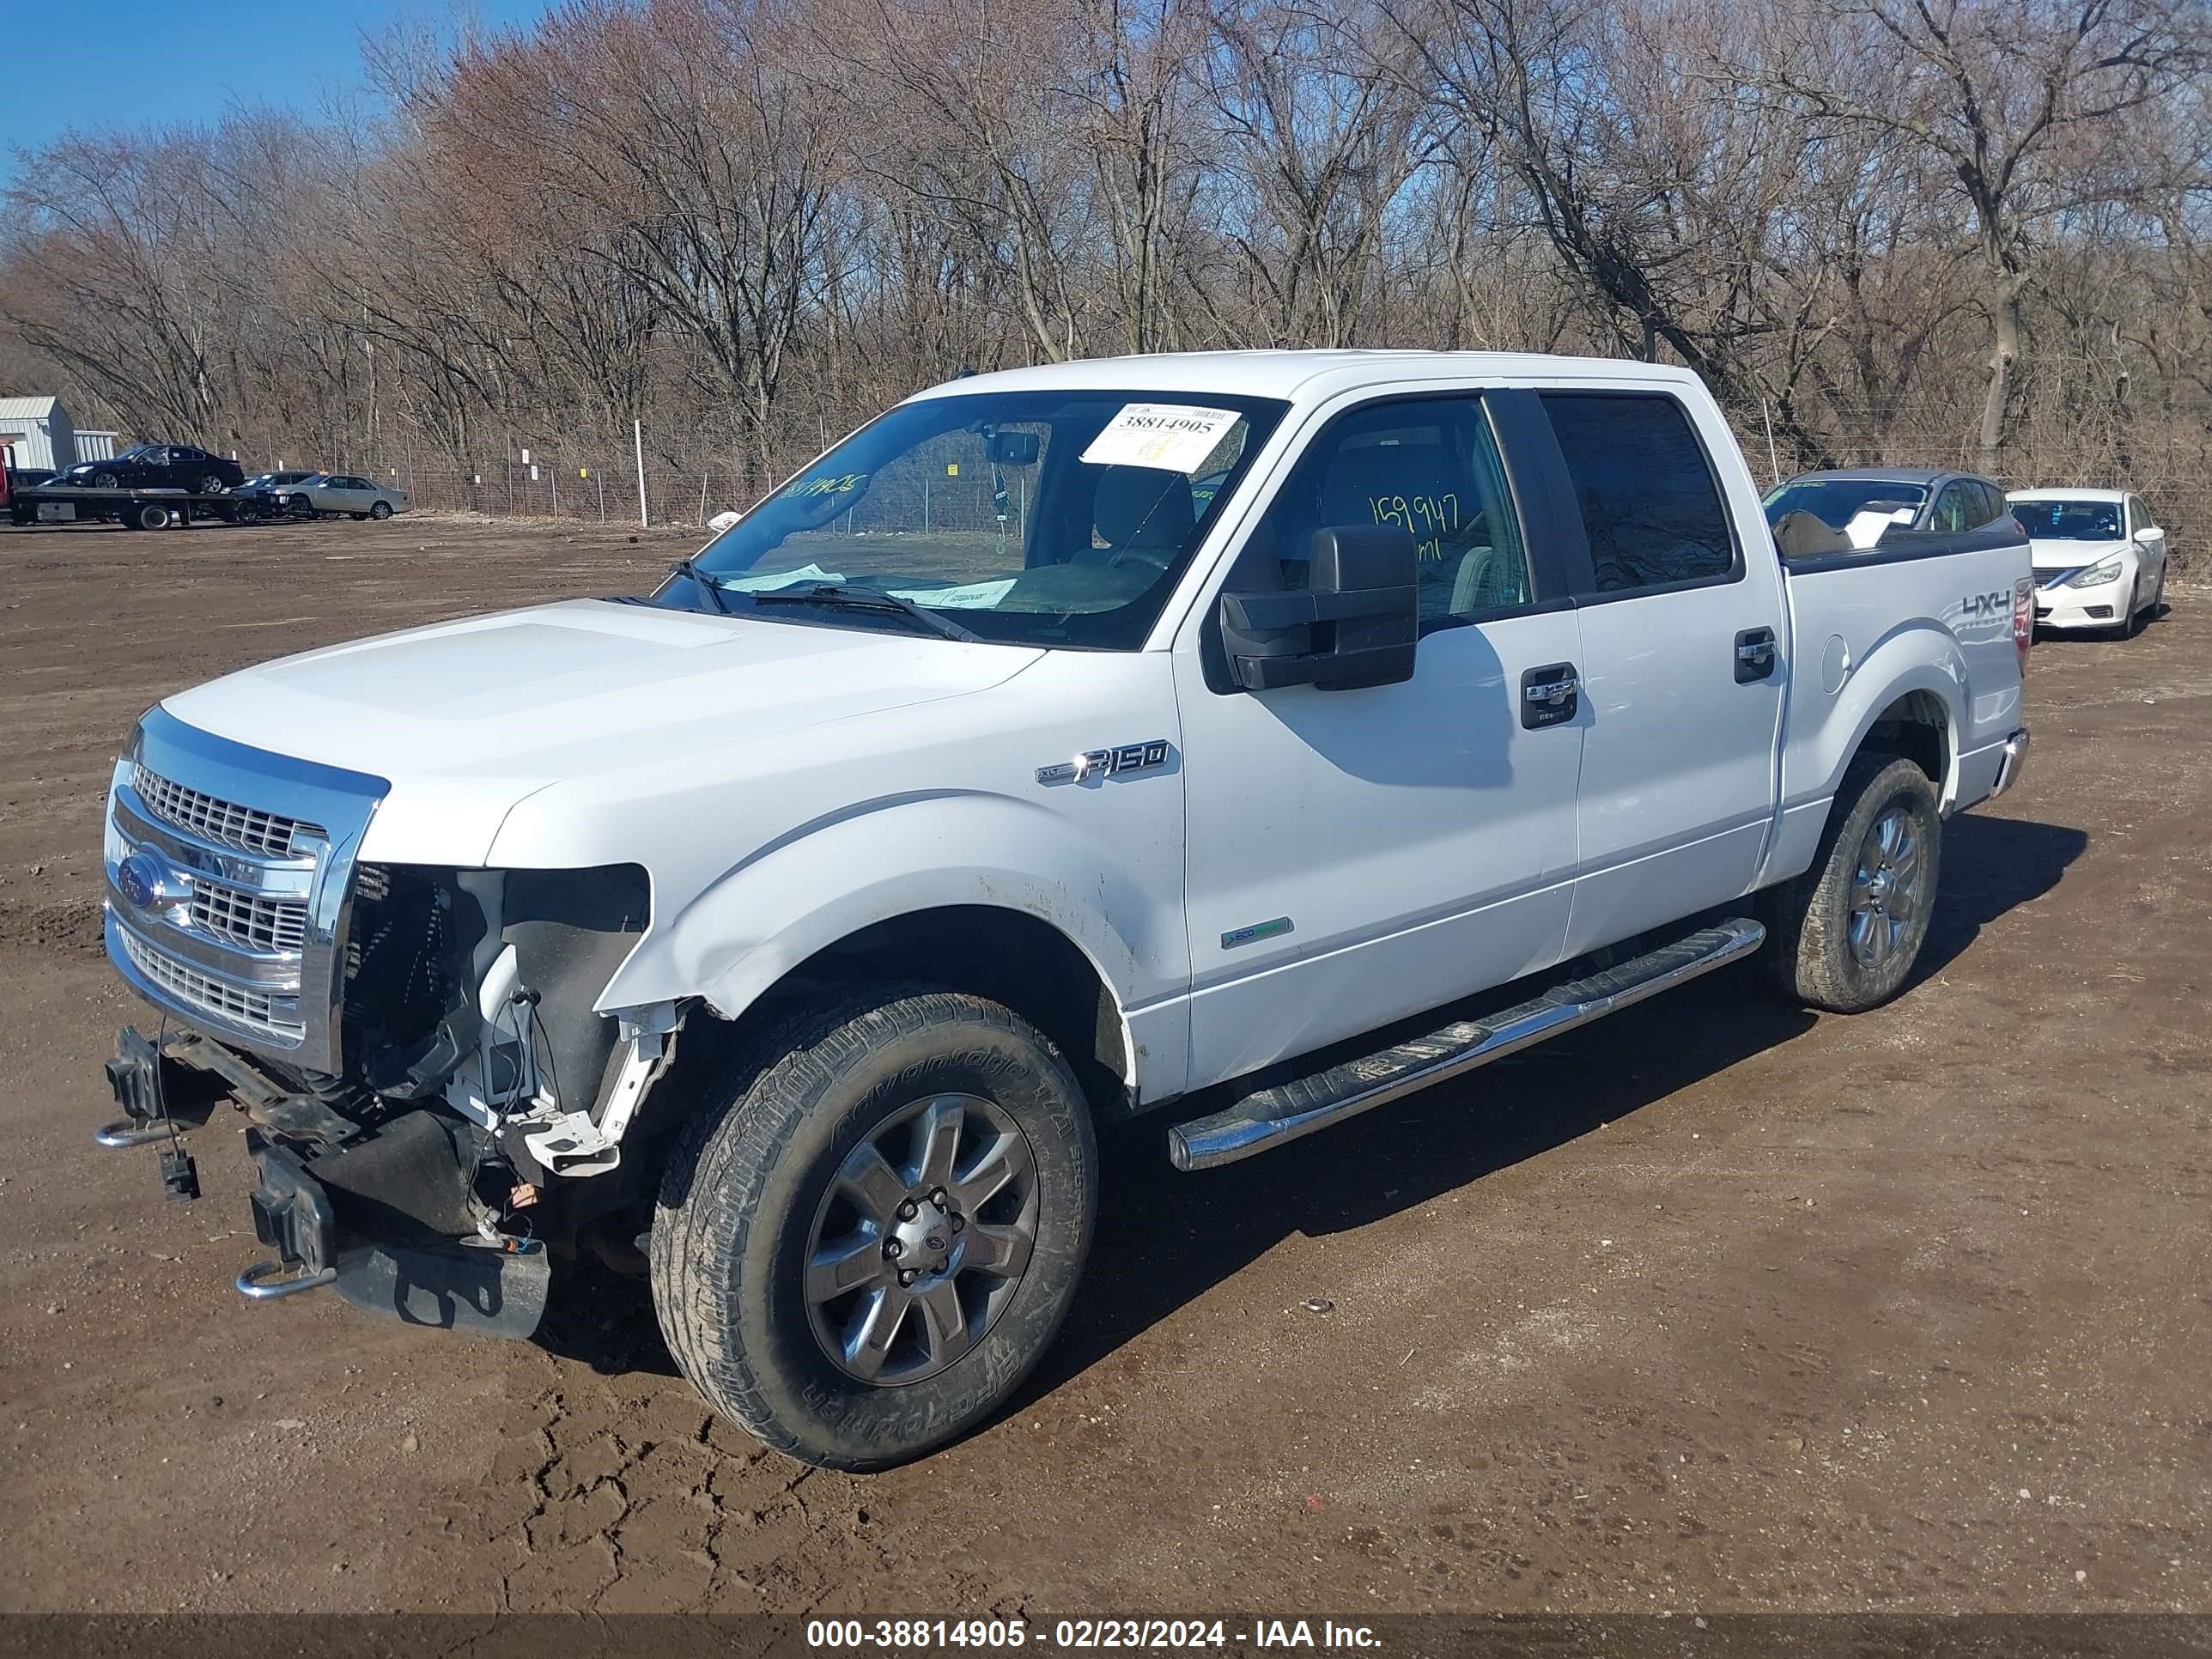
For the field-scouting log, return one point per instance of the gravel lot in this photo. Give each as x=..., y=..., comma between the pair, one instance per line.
x=1716, y=1305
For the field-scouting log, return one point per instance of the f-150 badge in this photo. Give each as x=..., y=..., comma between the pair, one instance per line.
x=1108, y=763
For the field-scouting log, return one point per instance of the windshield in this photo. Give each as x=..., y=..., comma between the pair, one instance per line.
x=1038, y=518
x=136, y=453
x=2068, y=521
x=1836, y=502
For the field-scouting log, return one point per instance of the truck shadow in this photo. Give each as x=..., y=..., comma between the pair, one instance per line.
x=1991, y=866
x=1165, y=1238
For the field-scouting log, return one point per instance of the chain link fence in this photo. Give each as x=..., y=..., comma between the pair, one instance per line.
x=2173, y=474
x=578, y=492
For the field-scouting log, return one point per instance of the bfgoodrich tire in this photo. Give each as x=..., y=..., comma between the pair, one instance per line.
x=1844, y=934
x=872, y=1228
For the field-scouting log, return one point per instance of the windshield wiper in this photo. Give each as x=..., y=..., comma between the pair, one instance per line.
x=705, y=583
x=866, y=599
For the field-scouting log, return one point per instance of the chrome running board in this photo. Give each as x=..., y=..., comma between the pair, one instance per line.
x=1279, y=1112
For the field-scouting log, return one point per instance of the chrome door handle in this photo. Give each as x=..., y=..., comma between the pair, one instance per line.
x=1754, y=654
x=1550, y=696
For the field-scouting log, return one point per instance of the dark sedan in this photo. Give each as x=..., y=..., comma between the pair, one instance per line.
x=1915, y=498
x=159, y=467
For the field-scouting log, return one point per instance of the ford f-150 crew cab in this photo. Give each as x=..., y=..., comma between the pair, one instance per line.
x=1268, y=732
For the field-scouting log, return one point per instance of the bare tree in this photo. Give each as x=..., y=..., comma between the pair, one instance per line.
x=2019, y=98
x=748, y=222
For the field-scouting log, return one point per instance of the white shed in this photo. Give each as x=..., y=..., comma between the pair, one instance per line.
x=36, y=432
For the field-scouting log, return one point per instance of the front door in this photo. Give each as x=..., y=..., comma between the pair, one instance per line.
x=1357, y=856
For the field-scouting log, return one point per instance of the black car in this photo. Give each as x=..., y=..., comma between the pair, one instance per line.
x=159, y=467
x=274, y=483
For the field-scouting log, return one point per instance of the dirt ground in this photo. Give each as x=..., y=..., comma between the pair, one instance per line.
x=1717, y=1306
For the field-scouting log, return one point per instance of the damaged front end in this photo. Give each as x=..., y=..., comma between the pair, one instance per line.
x=430, y=1087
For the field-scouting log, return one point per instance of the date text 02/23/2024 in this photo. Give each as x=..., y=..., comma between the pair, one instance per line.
x=1084, y=1634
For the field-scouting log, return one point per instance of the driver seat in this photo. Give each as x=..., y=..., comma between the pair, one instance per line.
x=1140, y=509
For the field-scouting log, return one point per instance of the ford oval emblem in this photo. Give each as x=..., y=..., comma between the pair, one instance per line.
x=147, y=880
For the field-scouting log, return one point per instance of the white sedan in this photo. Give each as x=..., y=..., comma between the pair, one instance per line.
x=344, y=492
x=2099, y=558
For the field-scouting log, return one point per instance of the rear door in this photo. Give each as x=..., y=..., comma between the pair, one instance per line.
x=1682, y=664
x=1356, y=856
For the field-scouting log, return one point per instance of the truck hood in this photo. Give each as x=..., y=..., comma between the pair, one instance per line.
x=2052, y=556
x=466, y=719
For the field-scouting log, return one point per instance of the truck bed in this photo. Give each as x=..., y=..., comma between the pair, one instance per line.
x=1921, y=623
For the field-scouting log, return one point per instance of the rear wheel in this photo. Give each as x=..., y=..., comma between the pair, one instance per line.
x=380, y=512
x=148, y=515
x=210, y=485
x=1845, y=933
x=872, y=1230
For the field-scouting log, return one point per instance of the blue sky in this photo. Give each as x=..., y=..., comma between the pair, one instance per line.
x=98, y=63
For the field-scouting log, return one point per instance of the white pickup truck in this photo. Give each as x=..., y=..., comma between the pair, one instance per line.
x=1269, y=732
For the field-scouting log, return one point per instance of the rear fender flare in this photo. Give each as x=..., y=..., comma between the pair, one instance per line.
x=1914, y=657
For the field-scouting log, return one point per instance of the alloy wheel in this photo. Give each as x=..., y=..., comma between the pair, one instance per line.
x=1886, y=895
x=922, y=1239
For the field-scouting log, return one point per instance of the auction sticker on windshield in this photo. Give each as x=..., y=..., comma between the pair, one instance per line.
x=1171, y=437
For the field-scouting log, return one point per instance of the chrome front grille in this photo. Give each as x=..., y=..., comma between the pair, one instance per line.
x=218, y=820
x=209, y=995
x=230, y=877
x=264, y=924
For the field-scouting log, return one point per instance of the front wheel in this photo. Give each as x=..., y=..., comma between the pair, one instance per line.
x=871, y=1231
x=1844, y=934
x=104, y=481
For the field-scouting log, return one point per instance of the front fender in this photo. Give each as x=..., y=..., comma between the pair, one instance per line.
x=824, y=881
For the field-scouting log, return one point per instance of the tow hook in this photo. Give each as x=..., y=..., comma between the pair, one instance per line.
x=259, y=1283
x=135, y=1076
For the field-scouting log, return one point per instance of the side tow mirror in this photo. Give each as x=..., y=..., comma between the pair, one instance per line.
x=1353, y=627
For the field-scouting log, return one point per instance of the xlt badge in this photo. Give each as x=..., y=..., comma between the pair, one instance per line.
x=1108, y=763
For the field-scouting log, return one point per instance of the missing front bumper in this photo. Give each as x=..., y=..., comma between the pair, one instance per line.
x=380, y=1218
